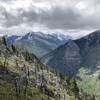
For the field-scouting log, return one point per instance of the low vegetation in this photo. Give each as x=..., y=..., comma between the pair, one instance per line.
x=89, y=82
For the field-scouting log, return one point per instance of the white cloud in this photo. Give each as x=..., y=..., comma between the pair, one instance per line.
x=82, y=5
x=18, y=16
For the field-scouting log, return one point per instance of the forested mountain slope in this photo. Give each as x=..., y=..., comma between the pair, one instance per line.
x=23, y=76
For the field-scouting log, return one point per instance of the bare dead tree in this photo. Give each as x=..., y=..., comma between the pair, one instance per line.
x=64, y=97
x=17, y=86
x=5, y=61
x=27, y=73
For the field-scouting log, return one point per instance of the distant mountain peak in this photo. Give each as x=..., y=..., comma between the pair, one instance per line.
x=38, y=42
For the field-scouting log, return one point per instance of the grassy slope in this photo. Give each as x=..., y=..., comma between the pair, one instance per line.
x=7, y=87
x=12, y=70
x=7, y=92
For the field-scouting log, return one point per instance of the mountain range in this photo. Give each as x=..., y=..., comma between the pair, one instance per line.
x=69, y=57
x=79, y=58
x=24, y=77
x=38, y=42
x=60, y=51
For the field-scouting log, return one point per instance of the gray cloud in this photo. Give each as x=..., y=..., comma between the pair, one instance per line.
x=22, y=17
x=8, y=1
x=59, y=18
x=70, y=16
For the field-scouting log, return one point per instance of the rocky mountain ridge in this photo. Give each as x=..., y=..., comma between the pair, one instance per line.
x=38, y=42
x=81, y=52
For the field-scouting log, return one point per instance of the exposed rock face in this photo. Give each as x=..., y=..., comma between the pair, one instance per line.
x=70, y=57
x=66, y=58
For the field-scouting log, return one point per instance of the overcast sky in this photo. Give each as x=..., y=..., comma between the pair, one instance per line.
x=66, y=16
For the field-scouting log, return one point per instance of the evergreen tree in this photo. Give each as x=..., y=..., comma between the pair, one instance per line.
x=4, y=41
x=74, y=88
x=13, y=48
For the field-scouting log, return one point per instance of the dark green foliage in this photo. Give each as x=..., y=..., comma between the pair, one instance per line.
x=13, y=48
x=4, y=41
x=73, y=87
